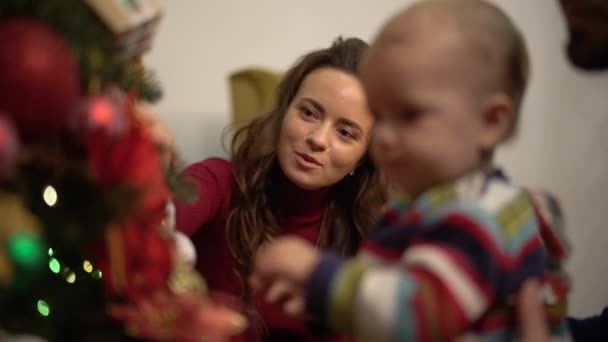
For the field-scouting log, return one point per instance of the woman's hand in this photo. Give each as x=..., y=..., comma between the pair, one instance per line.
x=531, y=313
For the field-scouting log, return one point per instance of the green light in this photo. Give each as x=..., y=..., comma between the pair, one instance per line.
x=43, y=308
x=51, y=252
x=26, y=250
x=54, y=265
x=97, y=275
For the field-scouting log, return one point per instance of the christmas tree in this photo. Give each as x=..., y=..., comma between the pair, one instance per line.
x=87, y=250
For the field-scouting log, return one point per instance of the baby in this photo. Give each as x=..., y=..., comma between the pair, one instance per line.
x=446, y=79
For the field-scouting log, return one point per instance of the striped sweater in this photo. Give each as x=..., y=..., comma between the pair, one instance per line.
x=446, y=265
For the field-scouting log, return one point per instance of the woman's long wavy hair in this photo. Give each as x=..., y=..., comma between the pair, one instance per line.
x=355, y=201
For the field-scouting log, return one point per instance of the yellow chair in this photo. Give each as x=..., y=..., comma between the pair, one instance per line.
x=252, y=93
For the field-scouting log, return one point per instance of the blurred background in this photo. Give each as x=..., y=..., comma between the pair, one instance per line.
x=562, y=144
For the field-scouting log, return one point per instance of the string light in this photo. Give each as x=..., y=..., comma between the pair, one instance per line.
x=26, y=250
x=87, y=266
x=43, y=308
x=54, y=265
x=71, y=278
x=97, y=275
x=50, y=196
x=69, y=275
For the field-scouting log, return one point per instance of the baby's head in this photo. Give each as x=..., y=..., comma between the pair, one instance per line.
x=446, y=79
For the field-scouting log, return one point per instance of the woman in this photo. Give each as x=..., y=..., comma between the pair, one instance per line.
x=302, y=169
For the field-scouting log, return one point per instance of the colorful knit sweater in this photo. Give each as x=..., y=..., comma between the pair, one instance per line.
x=446, y=265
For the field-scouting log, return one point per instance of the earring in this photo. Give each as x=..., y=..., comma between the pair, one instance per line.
x=352, y=173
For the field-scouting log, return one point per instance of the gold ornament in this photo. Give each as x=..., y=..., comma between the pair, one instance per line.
x=16, y=219
x=115, y=246
x=184, y=279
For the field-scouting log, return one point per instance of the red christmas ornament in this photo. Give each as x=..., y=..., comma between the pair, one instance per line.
x=158, y=254
x=100, y=114
x=137, y=263
x=9, y=146
x=149, y=259
x=132, y=160
x=39, y=78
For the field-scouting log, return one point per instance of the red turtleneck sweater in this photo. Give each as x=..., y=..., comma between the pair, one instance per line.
x=205, y=222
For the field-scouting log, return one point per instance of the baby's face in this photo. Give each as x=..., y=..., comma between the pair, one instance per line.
x=429, y=124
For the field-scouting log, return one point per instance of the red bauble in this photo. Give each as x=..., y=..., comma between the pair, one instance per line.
x=143, y=254
x=131, y=160
x=39, y=77
x=158, y=254
x=100, y=114
x=149, y=259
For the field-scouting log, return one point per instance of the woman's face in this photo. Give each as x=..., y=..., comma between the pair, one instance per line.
x=326, y=129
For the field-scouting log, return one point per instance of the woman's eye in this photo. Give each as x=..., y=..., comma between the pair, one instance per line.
x=346, y=134
x=411, y=115
x=307, y=112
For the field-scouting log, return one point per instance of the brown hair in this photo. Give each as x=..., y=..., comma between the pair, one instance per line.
x=355, y=201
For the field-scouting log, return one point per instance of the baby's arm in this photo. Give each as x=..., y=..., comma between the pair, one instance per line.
x=446, y=279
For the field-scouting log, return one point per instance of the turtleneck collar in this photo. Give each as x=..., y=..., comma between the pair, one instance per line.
x=303, y=206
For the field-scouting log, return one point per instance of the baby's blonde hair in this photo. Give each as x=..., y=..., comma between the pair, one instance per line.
x=494, y=39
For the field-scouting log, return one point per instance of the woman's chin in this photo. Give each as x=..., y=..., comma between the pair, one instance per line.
x=304, y=180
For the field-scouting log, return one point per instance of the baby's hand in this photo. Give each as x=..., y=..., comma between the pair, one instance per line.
x=290, y=260
x=283, y=267
x=288, y=296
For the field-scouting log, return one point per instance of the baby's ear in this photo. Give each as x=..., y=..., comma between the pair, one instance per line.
x=497, y=120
